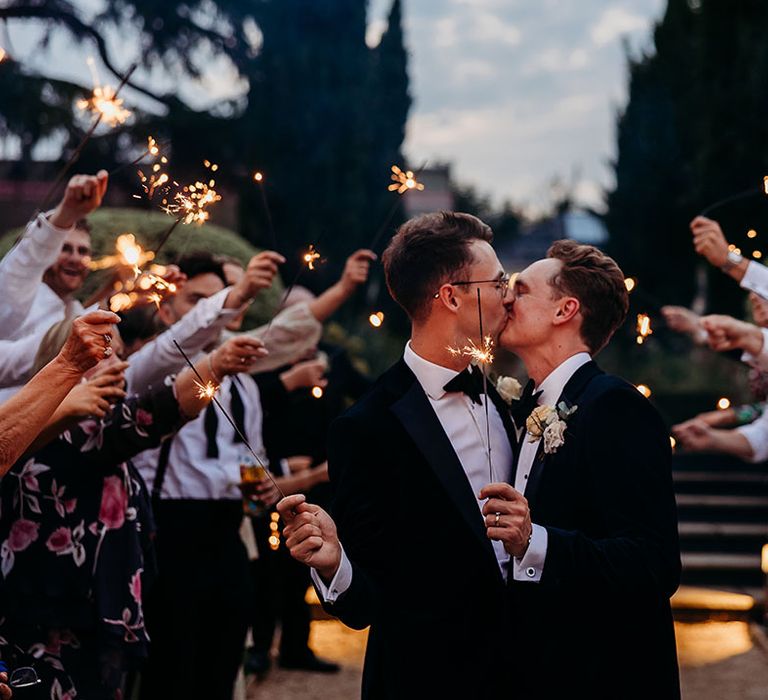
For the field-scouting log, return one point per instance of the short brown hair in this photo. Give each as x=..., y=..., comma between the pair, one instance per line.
x=428, y=251
x=598, y=283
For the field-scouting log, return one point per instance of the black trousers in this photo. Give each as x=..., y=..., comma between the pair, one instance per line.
x=281, y=584
x=197, y=612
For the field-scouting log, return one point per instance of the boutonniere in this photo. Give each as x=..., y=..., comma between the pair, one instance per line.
x=509, y=389
x=549, y=423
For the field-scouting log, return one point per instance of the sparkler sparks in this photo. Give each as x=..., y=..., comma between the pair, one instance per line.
x=129, y=254
x=104, y=102
x=190, y=205
x=311, y=257
x=477, y=355
x=643, y=328
x=404, y=180
x=206, y=391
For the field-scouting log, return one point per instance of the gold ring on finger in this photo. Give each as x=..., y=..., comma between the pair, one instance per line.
x=496, y=520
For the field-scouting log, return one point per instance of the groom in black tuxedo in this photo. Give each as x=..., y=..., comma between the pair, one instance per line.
x=592, y=618
x=407, y=463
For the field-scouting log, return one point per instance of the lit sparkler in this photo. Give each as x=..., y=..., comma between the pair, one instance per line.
x=104, y=102
x=311, y=257
x=477, y=355
x=643, y=328
x=203, y=385
x=129, y=254
x=206, y=391
x=404, y=180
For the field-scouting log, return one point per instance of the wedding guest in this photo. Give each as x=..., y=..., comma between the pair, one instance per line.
x=76, y=529
x=194, y=481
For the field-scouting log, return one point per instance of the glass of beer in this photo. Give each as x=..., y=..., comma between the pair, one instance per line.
x=251, y=475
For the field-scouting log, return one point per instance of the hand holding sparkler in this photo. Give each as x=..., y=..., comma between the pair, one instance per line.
x=259, y=275
x=238, y=354
x=83, y=195
x=356, y=269
x=507, y=517
x=310, y=535
x=728, y=333
x=709, y=241
x=89, y=342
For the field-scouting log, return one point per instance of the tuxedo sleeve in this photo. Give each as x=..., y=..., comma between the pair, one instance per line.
x=359, y=487
x=632, y=543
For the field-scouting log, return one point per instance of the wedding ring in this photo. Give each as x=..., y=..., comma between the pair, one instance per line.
x=496, y=521
x=107, y=351
x=108, y=339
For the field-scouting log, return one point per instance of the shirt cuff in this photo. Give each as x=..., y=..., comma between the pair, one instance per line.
x=756, y=435
x=531, y=566
x=756, y=279
x=340, y=583
x=760, y=361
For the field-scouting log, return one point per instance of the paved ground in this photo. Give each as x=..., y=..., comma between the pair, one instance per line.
x=718, y=660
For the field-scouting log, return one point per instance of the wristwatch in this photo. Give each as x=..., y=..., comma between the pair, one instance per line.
x=732, y=260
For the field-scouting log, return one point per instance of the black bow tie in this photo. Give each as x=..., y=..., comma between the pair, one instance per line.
x=468, y=382
x=522, y=408
x=211, y=421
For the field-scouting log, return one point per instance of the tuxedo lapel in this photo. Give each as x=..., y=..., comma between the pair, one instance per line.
x=570, y=395
x=417, y=416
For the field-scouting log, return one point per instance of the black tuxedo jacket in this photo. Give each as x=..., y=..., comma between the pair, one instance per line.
x=425, y=577
x=599, y=624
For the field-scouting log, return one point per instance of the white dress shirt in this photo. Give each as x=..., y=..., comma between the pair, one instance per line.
x=531, y=566
x=27, y=303
x=190, y=472
x=464, y=424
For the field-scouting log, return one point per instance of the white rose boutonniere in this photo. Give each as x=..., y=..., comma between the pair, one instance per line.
x=549, y=423
x=509, y=389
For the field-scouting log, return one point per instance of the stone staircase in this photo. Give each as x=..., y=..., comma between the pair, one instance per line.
x=723, y=523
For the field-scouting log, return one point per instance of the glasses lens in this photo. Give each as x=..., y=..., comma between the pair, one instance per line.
x=23, y=677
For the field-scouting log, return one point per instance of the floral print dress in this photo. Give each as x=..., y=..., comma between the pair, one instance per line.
x=75, y=537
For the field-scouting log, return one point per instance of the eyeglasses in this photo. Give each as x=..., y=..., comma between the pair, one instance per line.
x=501, y=284
x=23, y=677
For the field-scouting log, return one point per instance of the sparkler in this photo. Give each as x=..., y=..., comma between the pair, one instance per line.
x=206, y=391
x=258, y=178
x=404, y=181
x=129, y=254
x=190, y=204
x=746, y=194
x=376, y=319
x=203, y=385
x=152, y=149
x=643, y=328
x=482, y=356
x=100, y=114
x=311, y=256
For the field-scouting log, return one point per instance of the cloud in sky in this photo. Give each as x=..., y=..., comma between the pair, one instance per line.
x=515, y=93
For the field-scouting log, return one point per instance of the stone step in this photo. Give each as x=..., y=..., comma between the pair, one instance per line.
x=722, y=501
x=708, y=529
x=722, y=508
x=721, y=476
x=693, y=561
x=699, y=603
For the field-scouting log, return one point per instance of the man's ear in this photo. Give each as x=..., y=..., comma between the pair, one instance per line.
x=567, y=308
x=447, y=297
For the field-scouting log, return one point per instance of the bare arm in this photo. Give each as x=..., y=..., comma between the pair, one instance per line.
x=24, y=415
x=355, y=273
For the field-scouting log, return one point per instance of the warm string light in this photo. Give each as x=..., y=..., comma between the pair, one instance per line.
x=317, y=392
x=643, y=328
x=723, y=403
x=644, y=390
x=274, y=531
x=630, y=283
x=376, y=319
x=404, y=180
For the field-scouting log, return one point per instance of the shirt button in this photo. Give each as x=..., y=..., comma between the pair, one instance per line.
x=525, y=477
x=530, y=572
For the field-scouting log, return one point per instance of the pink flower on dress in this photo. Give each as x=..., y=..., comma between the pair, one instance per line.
x=143, y=417
x=60, y=541
x=114, y=501
x=23, y=533
x=135, y=586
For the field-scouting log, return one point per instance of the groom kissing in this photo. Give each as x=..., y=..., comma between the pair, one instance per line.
x=594, y=617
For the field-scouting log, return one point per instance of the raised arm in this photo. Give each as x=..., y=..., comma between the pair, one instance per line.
x=21, y=270
x=355, y=273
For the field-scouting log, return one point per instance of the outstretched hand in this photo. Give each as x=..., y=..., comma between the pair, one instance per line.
x=82, y=196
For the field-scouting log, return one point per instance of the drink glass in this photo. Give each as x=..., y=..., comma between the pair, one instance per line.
x=251, y=475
